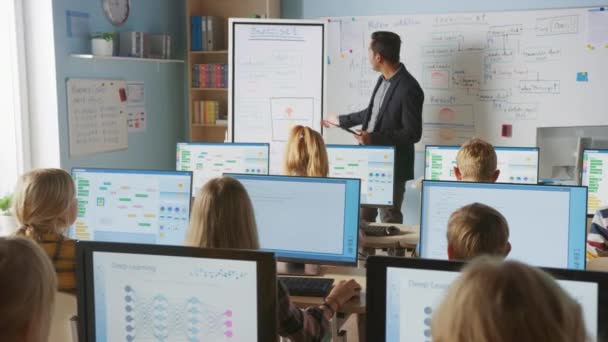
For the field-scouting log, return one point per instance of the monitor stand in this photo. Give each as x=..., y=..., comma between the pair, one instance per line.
x=299, y=269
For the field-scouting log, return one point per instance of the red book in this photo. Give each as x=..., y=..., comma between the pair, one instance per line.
x=217, y=71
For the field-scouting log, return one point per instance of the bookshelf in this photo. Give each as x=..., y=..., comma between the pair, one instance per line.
x=225, y=9
x=130, y=59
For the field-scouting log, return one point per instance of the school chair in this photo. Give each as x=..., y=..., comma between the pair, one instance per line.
x=61, y=326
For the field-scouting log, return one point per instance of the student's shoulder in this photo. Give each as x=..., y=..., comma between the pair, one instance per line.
x=601, y=217
x=57, y=244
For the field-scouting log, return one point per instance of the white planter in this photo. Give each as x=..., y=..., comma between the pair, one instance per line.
x=8, y=225
x=102, y=47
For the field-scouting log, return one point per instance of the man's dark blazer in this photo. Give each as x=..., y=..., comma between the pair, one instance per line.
x=399, y=121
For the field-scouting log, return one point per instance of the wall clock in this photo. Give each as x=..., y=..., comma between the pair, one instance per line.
x=117, y=11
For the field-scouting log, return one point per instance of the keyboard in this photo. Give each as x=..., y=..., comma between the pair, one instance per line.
x=380, y=230
x=309, y=287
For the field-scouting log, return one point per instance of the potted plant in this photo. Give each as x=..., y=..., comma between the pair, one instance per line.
x=8, y=224
x=102, y=43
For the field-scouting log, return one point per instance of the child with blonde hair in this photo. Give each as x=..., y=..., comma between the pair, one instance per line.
x=45, y=205
x=305, y=154
x=507, y=301
x=476, y=162
x=477, y=229
x=222, y=217
x=27, y=291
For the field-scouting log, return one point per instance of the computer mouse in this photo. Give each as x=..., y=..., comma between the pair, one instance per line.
x=392, y=230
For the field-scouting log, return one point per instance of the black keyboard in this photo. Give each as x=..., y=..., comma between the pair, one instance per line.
x=309, y=287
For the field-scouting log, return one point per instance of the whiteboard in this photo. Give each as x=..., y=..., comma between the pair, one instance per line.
x=97, y=120
x=276, y=73
x=480, y=71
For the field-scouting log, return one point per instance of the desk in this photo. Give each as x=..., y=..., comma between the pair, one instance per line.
x=407, y=239
x=354, y=306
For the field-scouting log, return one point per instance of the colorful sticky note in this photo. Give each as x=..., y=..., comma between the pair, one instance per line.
x=582, y=76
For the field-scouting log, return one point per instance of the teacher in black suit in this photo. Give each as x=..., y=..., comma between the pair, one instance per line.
x=393, y=118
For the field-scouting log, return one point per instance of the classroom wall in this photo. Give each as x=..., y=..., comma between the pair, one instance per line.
x=164, y=83
x=311, y=9
x=308, y=9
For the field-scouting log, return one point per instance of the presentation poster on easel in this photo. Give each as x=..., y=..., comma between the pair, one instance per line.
x=97, y=120
x=276, y=73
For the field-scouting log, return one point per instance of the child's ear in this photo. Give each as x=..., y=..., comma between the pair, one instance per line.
x=495, y=176
x=507, y=249
x=457, y=173
x=451, y=252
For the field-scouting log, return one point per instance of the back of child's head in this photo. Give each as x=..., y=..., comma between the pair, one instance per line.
x=305, y=154
x=506, y=301
x=222, y=216
x=27, y=290
x=476, y=161
x=44, y=202
x=477, y=229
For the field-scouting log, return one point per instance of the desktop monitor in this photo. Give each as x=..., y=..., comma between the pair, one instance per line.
x=402, y=294
x=595, y=177
x=133, y=292
x=561, y=149
x=306, y=219
x=139, y=206
x=210, y=160
x=538, y=216
x=516, y=164
x=374, y=165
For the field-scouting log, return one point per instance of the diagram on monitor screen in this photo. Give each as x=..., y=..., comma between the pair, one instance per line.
x=159, y=317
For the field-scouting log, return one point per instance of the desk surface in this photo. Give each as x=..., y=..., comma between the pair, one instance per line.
x=408, y=237
x=355, y=305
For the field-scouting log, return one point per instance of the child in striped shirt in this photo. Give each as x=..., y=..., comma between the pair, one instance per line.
x=597, y=239
x=45, y=206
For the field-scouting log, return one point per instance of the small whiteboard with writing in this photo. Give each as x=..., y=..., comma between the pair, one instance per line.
x=276, y=72
x=97, y=119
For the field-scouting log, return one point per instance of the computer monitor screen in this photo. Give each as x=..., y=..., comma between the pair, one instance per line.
x=210, y=160
x=306, y=219
x=374, y=165
x=151, y=207
x=402, y=295
x=167, y=293
x=516, y=164
x=595, y=177
x=536, y=215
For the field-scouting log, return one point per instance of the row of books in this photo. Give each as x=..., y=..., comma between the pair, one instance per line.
x=207, y=112
x=206, y=33
x=210, y=76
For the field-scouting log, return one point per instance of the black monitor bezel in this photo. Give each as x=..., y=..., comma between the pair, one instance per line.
x=317, y=261
x=422, y=198
x=265, y=267
x=376, y=288
x=393, y=148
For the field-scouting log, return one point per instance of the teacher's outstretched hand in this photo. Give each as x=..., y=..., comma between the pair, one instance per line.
x=331, y=121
